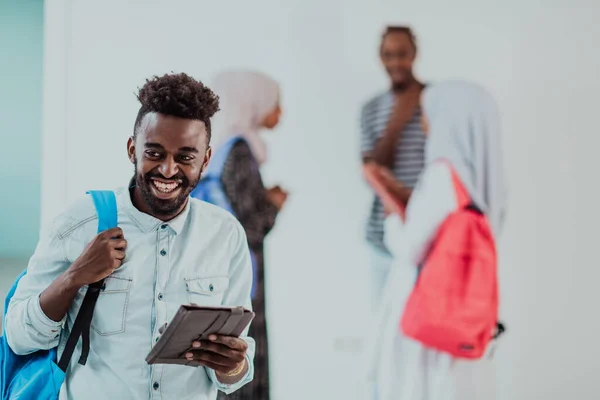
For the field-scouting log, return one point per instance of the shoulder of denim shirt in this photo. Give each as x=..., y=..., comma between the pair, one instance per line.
x=203, y=214
x=76, y=215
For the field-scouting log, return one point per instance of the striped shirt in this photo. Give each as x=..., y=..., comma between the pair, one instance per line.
x=408, y=160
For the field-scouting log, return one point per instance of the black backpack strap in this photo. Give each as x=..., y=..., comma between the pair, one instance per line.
x=81, y=327
x=473, y=207
x=105, y=203
x=500, y=329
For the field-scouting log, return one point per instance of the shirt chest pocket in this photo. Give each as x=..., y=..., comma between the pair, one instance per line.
x=206, y=291
x=111, y=307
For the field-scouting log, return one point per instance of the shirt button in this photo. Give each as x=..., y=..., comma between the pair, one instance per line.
x=160, y=296
x=211, y=287
x=156, y=386
x=163, y=252
x=156, y=340
x=163, y=226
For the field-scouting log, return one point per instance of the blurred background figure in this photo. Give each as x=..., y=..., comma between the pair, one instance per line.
x=462, y=123
x=249, y=103
x=391, y=137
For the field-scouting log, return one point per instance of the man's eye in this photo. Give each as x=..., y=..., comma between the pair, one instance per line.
x=186, y=158
x=152, y=154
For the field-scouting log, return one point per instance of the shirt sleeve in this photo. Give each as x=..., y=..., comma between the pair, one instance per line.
x=368, y=136
x=28, y=329
x=431, y=202
x=238, y=294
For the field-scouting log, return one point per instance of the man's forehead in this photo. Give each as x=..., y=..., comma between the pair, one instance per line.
x=171, y=131
x=396, y=37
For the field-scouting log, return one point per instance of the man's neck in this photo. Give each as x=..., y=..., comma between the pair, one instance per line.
x=399, y=89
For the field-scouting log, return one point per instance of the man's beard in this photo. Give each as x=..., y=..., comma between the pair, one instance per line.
x=163, y=207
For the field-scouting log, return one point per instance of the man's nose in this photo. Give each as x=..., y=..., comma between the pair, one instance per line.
x=168, y=168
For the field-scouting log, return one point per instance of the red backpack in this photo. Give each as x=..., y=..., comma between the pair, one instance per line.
x=453, y=307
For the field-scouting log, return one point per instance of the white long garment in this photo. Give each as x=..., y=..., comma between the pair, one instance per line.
x=199, y=257
x=400, y=368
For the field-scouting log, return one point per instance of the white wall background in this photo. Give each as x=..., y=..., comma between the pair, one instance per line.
x=540, y=59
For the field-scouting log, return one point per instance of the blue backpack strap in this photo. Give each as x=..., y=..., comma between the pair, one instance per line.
x=106, y=208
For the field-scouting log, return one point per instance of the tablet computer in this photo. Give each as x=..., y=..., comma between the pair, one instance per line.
x=193, y=323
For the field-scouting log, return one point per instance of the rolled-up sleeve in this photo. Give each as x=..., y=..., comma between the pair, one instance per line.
x=28, y=329
x=238, y=294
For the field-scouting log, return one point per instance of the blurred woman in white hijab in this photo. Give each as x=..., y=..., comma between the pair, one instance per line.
x=462, y=123
x=249, y=103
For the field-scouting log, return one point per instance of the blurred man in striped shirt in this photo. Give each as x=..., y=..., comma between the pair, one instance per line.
x=391, y=137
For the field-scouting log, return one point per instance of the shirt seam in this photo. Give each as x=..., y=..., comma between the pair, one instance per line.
x=63, y=235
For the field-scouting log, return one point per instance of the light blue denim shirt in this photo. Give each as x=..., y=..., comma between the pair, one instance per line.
x=199, y=257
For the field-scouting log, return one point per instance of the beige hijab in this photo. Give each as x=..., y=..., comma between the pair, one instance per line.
x=246, y=98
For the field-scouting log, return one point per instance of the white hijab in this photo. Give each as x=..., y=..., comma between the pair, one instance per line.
x=464, y=127
x=245, y=98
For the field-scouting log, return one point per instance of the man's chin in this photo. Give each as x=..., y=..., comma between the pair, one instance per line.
x=165, y=211
x=165, y=208
x=400, y=84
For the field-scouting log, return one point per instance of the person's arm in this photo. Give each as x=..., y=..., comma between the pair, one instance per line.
x=384, y=151
x=248, y=196
x=28, y=328
x=99, y=259
x=401, y=192
x=405, y=105
x=433, y=200
x=238, y=294
x=37, y=311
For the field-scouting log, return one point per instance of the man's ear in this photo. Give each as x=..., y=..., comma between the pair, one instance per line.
x=207, y=157
x=131, y=149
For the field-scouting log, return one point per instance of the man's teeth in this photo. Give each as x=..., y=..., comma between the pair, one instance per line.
x=166, y=187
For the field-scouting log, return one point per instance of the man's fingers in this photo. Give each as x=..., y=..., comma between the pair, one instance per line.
x=118, y=254
x=230, y=341
x=213, y=358
x=119, y=244
x=220, y=349
x=113, y=233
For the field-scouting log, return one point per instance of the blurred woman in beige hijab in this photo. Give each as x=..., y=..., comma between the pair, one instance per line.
x=249, y=103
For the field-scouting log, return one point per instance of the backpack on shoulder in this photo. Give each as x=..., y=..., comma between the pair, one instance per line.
x=40, y=375
x=453, y=307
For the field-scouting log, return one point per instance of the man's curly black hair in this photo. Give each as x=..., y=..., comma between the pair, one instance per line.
x=178, y=95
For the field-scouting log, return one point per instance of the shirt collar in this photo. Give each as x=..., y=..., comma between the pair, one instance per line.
x=148, y=223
